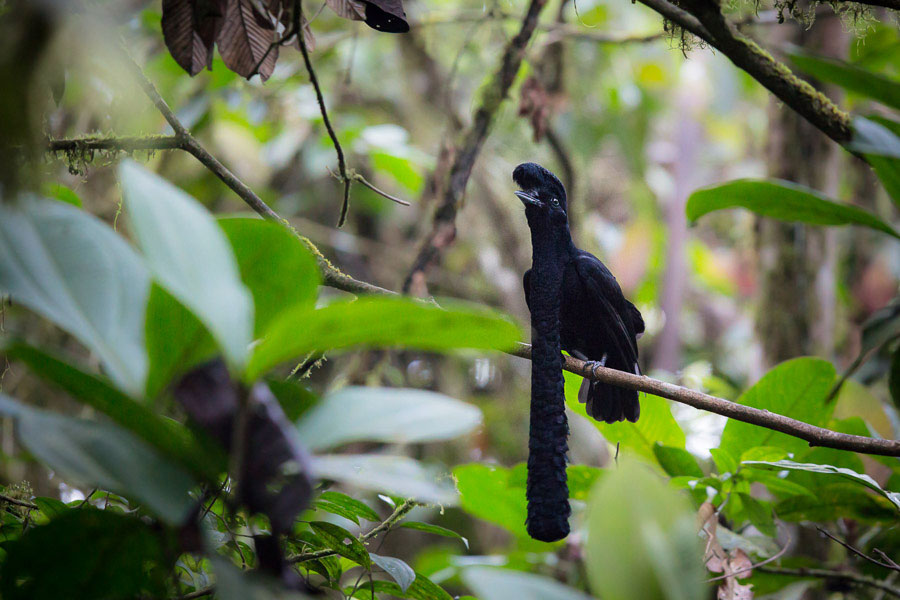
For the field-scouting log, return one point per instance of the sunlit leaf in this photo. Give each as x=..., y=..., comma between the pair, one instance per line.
x=399, y=571
x=71, y=268
x=379, y=322
x=782, y=200
x=677, y=462
x=103, y=455
x=397, y=475
x=190, y=256
x=385, y=415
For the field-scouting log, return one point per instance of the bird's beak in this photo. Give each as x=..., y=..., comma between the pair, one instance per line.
x=528, y=198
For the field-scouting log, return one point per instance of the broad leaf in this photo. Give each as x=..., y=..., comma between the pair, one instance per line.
x=74, y=270
x=782, y=200
x=385, y=415
x=245, y=40
x=103, y=455
x=502, y=584
x=860, y=478
x=345, y=506
x=436, y=530
x=850, y=77
x=342, y=541
x=837, y=501
x=275, y=265
x=399, y=571
x=656, y=424
x=397, y=475
x=379, y=322
x=881, y=147
x=84, y=555
x=421, y=588
x=677, y=462
x=189, y=255
x=167, y=436
x=642, y=539
x=486, y=491
x=796, y=388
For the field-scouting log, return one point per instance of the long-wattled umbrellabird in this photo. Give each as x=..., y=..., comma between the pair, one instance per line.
x=576, y=305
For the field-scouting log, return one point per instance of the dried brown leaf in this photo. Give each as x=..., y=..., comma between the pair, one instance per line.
x=189, y=30
x=348, y=9
x=246, y=38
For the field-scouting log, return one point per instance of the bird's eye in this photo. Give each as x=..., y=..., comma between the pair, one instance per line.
x=554, y=202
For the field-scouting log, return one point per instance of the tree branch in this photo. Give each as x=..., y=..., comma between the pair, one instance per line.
x=444, y=221
x=887, y=565
x=829, y=574
x=892, y=4
x=704, y=19
x=22, y=503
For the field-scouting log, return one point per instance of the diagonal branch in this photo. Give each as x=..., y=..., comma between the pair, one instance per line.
x=704, y=19
x=444, y=221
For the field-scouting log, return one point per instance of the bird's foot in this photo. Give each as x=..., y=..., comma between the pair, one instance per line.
x=591, y=365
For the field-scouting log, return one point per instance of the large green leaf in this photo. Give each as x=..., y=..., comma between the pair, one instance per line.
x=642, y=539
x=656, y=425
x=176, y=341
x=275, y=265
x=166, y=435
x=346, y=506
x=860, y=478
x=421, y=588
x=502, y=584
x=837, y=501
x=342, y=541
x=796, y=388
x=486, y=491
x=385, y=415
x=189, y=255
x=399, y=571
x=850, y=77
x=74, y=270
x=880, y=145
x=105, y=456
x=85, y=555
x=782, y=200
x=396, y=475
x=379, y=322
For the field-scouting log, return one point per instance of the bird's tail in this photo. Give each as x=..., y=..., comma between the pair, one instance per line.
x=546, y=489
x=609, y=403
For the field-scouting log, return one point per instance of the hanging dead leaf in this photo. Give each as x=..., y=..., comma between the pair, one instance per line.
x=246, y=39
x=348, y=9
x=282, y=10
x=386, y=15
x=189, y=30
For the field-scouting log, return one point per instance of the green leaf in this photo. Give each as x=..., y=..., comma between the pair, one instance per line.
x=880, y=145
x=860, y=478
x=677, y=461
x=189, y=255
x=342, y=541
x=51, y=507
x=103, y=455
x=725, y=462
x=490, y=583
x=581, y=480
x=776, y=485
x=836, y=501
x=176, y=341
x=397, y=475
x=166, y=435
x=642, y=539
x=75, y=271
x=485, y=491
x=275, y=265
x=782, y=200
x=399, y=416
x=436, y=530
x=234, y=584
x=379, y=322
x=295, y=399
x=848, y=76
x=420, y=589
x=345, y=506
x=62, y=193
x=759, y=513
x=84, y=555
x=656, y=425
x=796, y=388
x=399, y=571
x=763, y=453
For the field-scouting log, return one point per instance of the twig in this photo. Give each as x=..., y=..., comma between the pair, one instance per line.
x=705, y=20
x=829, y=574
x=21, y=503
x=117, y=144
x=892, y=565
x=772, y=558
x=360, y=178
x=342, y=165
x=444, y=221
x=383, y=527
x=815, y=436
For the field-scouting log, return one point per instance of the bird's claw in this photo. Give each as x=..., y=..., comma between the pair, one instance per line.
x=592, y=365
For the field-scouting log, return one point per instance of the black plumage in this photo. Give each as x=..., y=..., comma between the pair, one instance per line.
x=576, y=305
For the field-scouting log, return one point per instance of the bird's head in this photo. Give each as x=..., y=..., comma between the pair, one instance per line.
x=541, y=191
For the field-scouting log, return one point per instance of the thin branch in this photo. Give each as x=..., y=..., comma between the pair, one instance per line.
x=892, y=4
x=444, y=221
x=829, y=574
x=116, y=144
x=22, y=503
x=359, y=177
x=814, y=436
x=772, y=558
x=705, y=20
x=342, y=165
x=383, y=527
x=892, y=565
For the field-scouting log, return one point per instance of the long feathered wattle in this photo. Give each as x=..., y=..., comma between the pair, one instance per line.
x=546, y=490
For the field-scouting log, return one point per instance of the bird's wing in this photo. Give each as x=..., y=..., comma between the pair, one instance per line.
x=637, y=321
x=526, y=283
x=604, y=311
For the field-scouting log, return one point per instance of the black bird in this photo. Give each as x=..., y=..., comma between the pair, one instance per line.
x=576, y=305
